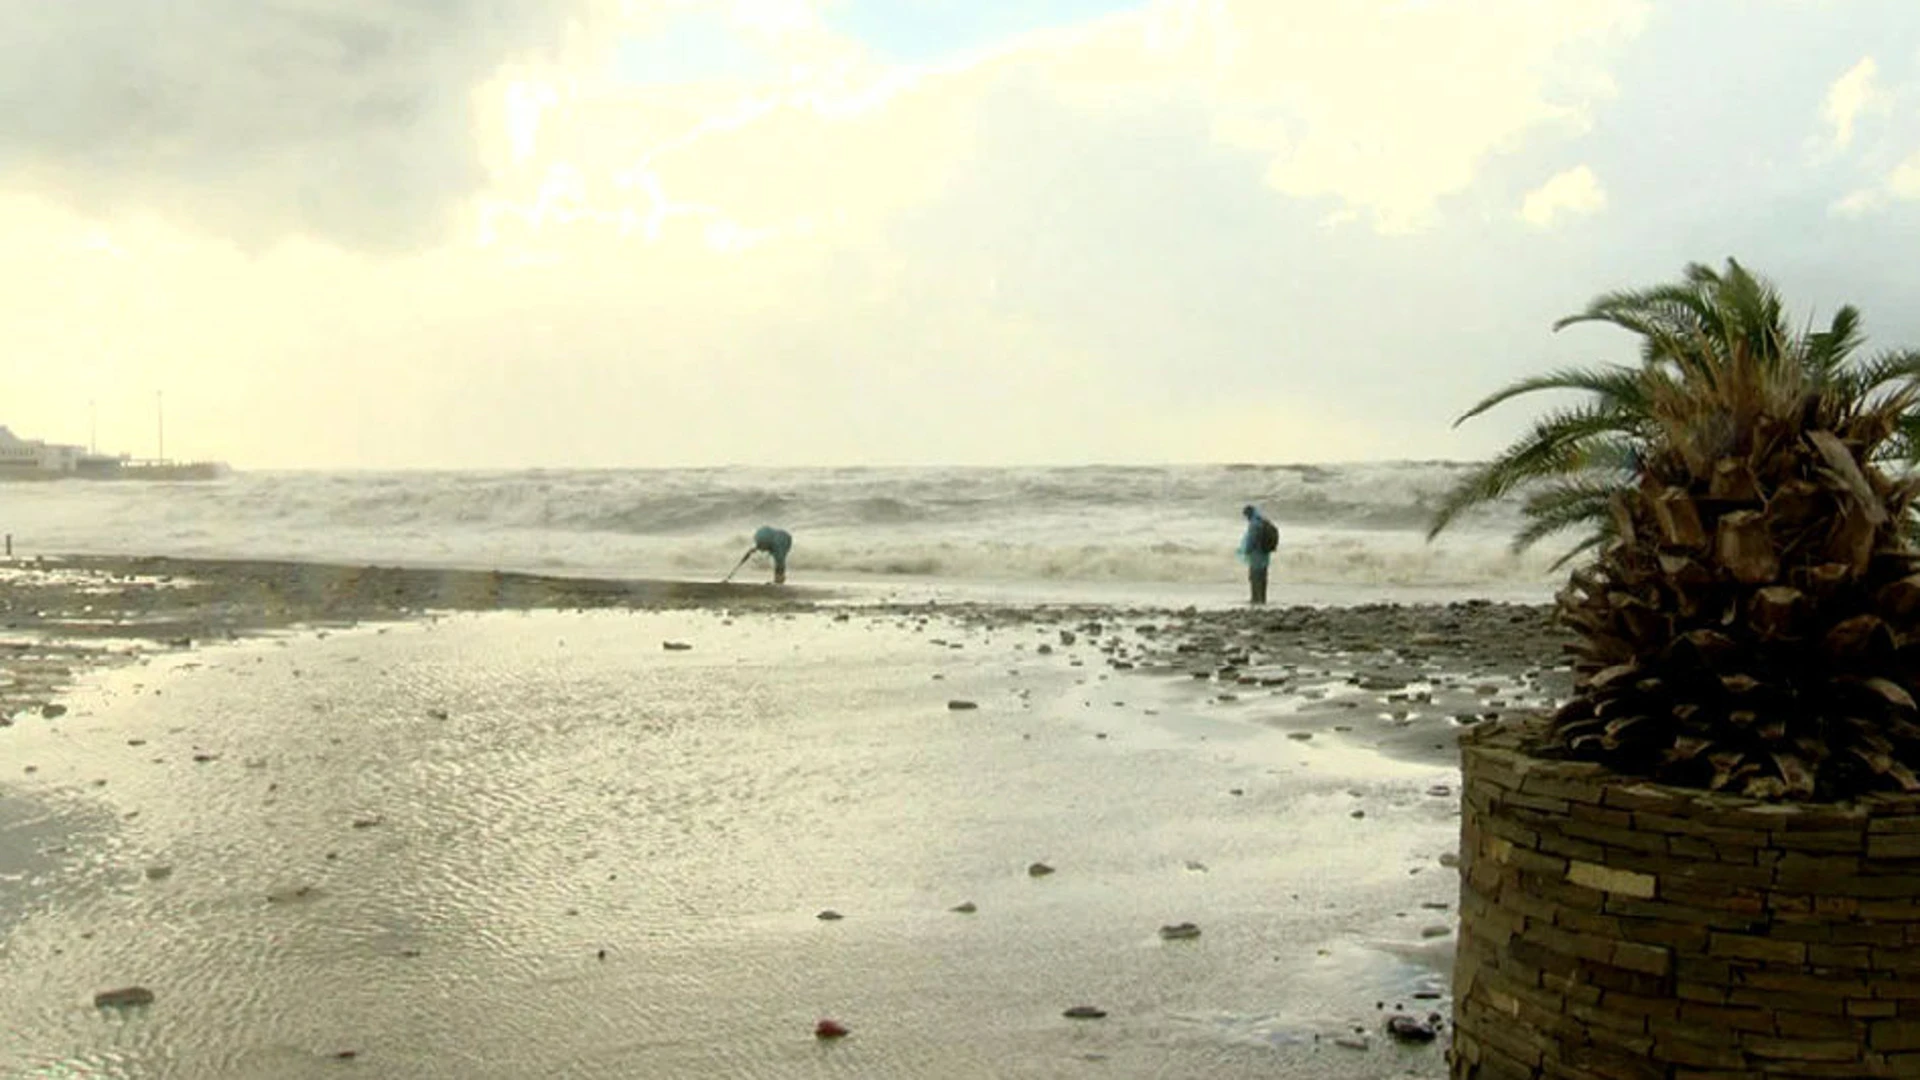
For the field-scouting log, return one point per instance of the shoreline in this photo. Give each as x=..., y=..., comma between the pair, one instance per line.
x=64, y=616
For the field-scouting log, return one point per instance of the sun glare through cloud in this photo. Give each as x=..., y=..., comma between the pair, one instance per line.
x=1172, y=185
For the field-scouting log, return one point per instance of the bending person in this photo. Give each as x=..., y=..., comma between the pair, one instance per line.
x=775, y=542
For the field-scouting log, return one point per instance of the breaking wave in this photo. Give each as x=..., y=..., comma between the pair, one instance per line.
x=1357, y=524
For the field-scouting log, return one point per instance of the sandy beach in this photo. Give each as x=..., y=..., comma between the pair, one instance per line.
x=426, y=823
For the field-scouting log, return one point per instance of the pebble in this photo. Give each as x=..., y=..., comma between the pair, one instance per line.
x=675, y=646
x=959, y=705
x=1039, y=869
x=967, y=908
x=1410, y=1028
x=123, y=998
x=1085, y=1012
x=159, y=873
x=829, y=915
x=830, y=1029
x=1179, y=932
x=53, y=711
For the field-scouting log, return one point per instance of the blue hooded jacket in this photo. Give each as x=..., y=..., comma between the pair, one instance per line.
x=775, y=542
x=1250, y=552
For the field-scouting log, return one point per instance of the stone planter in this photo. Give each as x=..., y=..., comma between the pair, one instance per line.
x=1615, y=929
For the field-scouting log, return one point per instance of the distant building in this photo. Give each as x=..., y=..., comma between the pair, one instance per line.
x=36, y=459
x=19, y=455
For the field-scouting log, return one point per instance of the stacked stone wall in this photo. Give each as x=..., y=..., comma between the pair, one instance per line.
x=1621, y=930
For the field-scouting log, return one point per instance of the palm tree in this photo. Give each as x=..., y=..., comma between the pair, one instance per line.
x=1751, y=620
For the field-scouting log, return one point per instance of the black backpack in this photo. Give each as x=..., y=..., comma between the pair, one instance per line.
x=1269, y=535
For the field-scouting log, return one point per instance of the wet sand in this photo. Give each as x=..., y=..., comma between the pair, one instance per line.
x=411, y=839
x=62, y=616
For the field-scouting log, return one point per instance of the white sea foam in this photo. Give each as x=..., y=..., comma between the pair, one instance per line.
x=1346, y=526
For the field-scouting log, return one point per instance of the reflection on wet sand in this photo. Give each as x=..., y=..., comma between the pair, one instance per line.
x=522, y=844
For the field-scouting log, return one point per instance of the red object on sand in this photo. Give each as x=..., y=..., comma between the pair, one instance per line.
x=829, y=1029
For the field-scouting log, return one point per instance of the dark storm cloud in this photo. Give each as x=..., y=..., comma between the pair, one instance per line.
x=349, y=119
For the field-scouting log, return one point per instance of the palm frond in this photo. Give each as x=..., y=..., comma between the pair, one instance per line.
x=1600, y=536
x=1613, y=382
x=1557, y=443
x=1568, y=504
x=1827, y=351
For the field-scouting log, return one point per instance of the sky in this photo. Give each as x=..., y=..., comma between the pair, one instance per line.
x=596, y=233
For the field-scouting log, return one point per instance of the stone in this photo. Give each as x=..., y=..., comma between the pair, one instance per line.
x=675, y=646
x=1084, y=1012
x=1608, y=880
x=830, y=1029
x=1039, y=869
x=829, y=915
x=961, y=705
x=967, y=908
x=1410, y=1028
x=159, y=873
x=1180, y=932
x=53, y=711
x=124, y=998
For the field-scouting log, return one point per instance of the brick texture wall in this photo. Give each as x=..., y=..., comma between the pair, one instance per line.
x=1623, y=930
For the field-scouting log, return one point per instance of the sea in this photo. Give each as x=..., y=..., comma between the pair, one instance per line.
x=1149, y=535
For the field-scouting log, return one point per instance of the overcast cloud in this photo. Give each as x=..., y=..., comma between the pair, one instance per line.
x=459, y=232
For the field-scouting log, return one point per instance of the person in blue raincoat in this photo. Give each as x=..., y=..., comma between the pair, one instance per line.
x=775, y=542
x=1256, y=550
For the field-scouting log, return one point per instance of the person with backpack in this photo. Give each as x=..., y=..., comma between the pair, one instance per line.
x=1256, y=550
